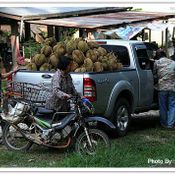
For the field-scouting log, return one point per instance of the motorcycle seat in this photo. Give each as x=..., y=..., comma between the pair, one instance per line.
x=63, y=122
x=42, y=110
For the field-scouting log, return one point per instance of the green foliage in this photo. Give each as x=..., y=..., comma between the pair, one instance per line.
x=67, y=32
x=3, y=36
x=6, y=33
x=31, y=48
x=44, y=34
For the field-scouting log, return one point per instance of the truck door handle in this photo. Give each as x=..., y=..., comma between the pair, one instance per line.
x=46, y=76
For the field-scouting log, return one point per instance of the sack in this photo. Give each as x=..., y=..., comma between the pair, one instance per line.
x=14, y=113
x=19, y=109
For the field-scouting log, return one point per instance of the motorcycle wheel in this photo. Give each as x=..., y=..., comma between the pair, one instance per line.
x=13, y=139
x=98, y=139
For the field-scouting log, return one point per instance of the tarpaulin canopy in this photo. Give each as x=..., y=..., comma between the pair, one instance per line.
x=130, y=31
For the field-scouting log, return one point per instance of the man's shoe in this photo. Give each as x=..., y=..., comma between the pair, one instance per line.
x=168, y=127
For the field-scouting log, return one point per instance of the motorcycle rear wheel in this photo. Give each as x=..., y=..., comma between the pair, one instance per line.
x=99, y=141
x=14, y=140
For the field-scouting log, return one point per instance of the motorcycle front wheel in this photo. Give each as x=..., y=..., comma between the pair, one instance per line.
x=98, y=141
x=13, y=138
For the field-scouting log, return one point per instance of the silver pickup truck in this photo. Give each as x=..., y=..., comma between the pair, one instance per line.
x=116, y=94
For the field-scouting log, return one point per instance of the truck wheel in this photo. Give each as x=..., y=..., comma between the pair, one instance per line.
x=121, y=116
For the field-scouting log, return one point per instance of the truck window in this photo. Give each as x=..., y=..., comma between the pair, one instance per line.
x=151, y=49
x=143, y=58
x=121, y=52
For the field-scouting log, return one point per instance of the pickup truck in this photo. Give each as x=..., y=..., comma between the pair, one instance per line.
x=115, y=94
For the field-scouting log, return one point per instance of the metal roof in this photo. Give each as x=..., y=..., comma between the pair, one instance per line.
x=105, y=20
x=30, y=13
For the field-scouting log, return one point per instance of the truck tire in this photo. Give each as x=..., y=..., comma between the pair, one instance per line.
x=121, y=116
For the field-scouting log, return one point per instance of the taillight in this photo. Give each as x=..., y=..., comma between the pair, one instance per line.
x=89, y=89
x=101, y=42
x=9, y=78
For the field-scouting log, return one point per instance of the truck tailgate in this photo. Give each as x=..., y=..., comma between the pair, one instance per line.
x=46, y=77
x=78, y=81
x=33, y=77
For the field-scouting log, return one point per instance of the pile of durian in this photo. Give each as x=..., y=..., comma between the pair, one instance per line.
x=87, y=56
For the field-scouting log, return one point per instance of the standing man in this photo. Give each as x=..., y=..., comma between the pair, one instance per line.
x=164, y=71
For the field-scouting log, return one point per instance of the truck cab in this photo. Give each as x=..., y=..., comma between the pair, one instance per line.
x=134, y=56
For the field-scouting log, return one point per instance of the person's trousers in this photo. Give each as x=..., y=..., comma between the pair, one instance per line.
x=167, y=108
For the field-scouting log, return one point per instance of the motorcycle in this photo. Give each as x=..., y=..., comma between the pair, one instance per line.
x=46, y=127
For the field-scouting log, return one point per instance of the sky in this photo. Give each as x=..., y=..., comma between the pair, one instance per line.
x=154, y=7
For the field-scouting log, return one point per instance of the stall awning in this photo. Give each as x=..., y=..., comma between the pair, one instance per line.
x=105, y=20
x=33, y=13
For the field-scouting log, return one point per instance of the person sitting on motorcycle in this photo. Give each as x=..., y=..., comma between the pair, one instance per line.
x=62, y=87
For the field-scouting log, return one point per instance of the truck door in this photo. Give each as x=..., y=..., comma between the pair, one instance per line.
x=146, y=88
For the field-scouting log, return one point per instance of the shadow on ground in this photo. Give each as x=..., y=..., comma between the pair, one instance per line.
x=144, y=123
x=140, y=122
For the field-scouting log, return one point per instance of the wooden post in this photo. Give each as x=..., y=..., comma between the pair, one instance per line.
x=14, y=34
x=162, y=39
x=27, y=31
x=173, y=32
x=149, y=35
x=50, y=31
x=166, y=39
x=81, y=32
x=57, y=33
x=143, y=35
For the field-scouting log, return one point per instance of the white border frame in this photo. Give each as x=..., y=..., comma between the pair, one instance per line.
x=99, y=3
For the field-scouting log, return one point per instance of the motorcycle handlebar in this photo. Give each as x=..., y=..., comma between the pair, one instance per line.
x=75, y=99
